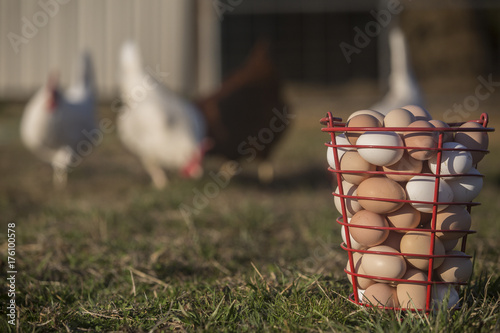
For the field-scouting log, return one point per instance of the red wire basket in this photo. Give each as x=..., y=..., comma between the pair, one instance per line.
x=334, y=126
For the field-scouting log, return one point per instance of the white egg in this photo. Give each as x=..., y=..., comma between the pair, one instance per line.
x=466, y=188
x=421, y=188
x=440, y=292
x=378, y=155
x=361, y=293
x=452, y=161
x=340, y=140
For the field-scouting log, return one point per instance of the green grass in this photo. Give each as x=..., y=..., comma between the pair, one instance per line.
x=110, y=253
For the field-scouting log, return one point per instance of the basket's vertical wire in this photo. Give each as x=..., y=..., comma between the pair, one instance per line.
x=433, y=220
x=484, y=118
x=464, y=238
x=343, y=206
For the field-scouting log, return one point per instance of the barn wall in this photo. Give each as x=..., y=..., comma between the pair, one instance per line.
x=194, y=40
x=45, y=35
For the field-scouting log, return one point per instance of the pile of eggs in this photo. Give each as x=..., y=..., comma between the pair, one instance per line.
x=388, y=166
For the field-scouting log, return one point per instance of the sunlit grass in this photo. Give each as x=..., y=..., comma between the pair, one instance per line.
x=110, y=253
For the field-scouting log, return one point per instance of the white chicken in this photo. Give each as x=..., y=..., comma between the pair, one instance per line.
x=164, y=131
x=56, y=124
x=403, y=87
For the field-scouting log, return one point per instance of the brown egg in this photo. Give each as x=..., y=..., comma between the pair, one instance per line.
x=405, y=164
x=381, y=294
x=453, y=218
x=393, y=240
x=376, y=114
x=423, y=140
x=383, y=188
x=389, y=266
x=419, y=112
x=399, y=118
x=413, y=295
x=473, y=140
x=352, y=206
x=419, y=242
x=354, y=245
x=363, y=283
x=364, y=236
x=351, y=160
x=447, y=136
x=361, y=120
x=404, y=217
x=455, y=269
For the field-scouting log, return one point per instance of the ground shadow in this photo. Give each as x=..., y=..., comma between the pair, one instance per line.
x=313, y=176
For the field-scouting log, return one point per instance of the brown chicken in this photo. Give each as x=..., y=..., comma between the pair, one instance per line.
x=247, y=115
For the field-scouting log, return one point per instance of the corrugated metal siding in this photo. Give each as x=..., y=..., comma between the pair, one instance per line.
x=165, y=29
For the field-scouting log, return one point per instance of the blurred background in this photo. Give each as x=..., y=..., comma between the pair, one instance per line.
x=109, y=218
x=198, y=42
x=195, y=44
